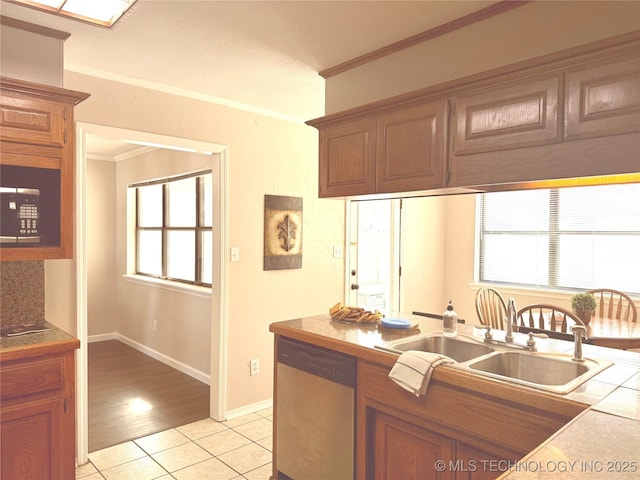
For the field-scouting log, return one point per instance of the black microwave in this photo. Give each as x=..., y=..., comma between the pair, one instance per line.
x=20, y=219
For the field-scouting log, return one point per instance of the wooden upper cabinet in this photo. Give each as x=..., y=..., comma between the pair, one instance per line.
x=347, y=159
x=394, y=150
x=32, y=121
x=517, y=115
x=411, y=148
x=603, y=100
x=570, y=114
x=37, y=150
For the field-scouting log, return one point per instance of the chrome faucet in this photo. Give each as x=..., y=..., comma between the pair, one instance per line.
x=579, y=331
x=511, y=320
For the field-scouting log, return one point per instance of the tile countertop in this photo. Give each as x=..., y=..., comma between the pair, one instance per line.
x=601, y=442
x=31, y=344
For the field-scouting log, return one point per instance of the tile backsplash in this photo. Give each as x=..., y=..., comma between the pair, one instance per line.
x=21, y=293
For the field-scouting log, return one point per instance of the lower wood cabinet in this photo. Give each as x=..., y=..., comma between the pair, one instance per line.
x=473, y=463
x=404, y=451
x=37, y=424
x=463, y=430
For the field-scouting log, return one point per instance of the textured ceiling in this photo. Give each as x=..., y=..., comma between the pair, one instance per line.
x=262, y=54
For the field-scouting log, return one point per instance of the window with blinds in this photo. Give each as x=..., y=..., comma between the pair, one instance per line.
x=569, y=238
x=174, y=228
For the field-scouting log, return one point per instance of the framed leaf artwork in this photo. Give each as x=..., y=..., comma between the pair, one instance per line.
x=282, y=232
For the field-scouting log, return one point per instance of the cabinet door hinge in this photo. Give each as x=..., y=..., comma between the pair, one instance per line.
x=64, y=137
x=65, y=405
x=64, y=114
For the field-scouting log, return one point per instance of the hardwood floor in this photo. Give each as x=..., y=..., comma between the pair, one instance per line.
x=132, y=395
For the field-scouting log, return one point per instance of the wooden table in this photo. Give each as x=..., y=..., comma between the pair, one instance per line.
x=609, y=332
x=603, y=331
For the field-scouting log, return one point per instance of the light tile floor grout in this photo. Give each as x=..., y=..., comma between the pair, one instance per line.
x=236, y=449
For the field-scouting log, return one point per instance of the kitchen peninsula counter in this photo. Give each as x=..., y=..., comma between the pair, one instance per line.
x=37, y=407
x=50, y=339
x=600, y=441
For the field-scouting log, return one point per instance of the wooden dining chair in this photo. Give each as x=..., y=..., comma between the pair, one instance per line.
x=614, y=304
x=547, y=317
x=491, y=308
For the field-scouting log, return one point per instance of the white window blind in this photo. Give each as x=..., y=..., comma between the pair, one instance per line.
x=570, y=238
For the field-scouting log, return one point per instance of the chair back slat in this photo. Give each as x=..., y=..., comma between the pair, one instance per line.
x=546, y=316
x=614, y=304
x=491, y=308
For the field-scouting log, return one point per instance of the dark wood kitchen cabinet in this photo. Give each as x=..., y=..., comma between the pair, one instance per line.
x=37, y=426
x=37, y=150
x=603, y=99
x=398, y=149
x=567, y=115
x=404, y=451
x=451, y=432
x=348, y=159
x=516, y=115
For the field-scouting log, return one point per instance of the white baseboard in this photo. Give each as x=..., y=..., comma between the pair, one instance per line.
x=102, y=337
x=161, y=357
x=247, y=409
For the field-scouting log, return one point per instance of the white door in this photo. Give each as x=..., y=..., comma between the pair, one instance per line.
x=373, y=273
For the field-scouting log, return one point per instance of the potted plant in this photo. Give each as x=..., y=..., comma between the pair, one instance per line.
x=583, y=305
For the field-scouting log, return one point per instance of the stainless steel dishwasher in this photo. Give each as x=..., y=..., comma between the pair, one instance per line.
x=315, y=416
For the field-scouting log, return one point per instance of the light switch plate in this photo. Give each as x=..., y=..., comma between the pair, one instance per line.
x=337, y=251
x=235, y=254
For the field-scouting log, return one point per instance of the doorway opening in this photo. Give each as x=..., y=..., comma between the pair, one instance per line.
x=216, y=299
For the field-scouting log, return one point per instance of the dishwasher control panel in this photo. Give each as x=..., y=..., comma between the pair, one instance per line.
x=318, y=361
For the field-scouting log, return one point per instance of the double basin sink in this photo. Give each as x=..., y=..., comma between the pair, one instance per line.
x=553, y=372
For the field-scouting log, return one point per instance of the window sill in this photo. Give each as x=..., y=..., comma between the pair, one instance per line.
x=168, y=285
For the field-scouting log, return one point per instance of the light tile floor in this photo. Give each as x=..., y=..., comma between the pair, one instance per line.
x=205, y=450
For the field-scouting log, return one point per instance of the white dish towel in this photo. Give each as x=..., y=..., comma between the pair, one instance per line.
x=413, y=370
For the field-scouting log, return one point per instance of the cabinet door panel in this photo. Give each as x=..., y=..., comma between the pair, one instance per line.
x=406, y=452
x=476, y=464
x=410, y=148
x=32, y=377
x=517, y=115
x=32, y=121
x=347, y=159
x=603, y=100
x=31, y=441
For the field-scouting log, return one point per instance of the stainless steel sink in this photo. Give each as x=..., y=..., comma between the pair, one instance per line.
x=453, y=347
x=552, y=372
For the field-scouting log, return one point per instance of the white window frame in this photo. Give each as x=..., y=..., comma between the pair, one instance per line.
x=197, y=286
x=552, y=283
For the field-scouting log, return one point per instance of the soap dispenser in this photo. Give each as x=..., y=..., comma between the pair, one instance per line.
x=450, y=321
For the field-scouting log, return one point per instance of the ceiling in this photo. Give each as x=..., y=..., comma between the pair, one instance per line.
x=257, y=55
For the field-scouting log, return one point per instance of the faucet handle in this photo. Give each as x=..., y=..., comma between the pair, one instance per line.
x=487, y=335
x=531, y=343
x=579, y=330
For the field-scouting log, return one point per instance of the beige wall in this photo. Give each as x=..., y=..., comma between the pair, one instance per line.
x=266, y=156
x=535, y=29
x=30, y=56
x=183, y=320
x=101, y=247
